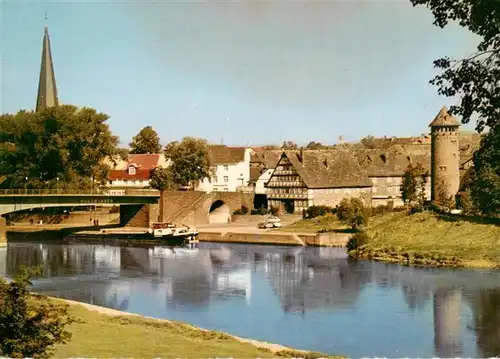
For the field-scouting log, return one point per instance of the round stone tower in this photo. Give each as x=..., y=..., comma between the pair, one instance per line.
x=445, y=157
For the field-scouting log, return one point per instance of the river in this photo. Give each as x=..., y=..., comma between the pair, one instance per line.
x=304, y=297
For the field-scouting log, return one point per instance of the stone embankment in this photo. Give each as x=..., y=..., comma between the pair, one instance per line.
x=256, y=236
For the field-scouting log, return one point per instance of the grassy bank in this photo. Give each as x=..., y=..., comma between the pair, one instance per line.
x=327, y=223
x=104, y=333
x=429, y=239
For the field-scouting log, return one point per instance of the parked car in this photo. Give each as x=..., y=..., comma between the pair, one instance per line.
x=270, y=222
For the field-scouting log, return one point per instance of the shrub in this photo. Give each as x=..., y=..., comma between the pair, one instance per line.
x=316, y=211
x=357, y=240
x=274, y=210
x=259, y=211
x=241, y=211
x=353, y=212
x=29, y=326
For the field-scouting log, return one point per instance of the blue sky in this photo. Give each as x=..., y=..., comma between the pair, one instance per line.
x=250, y=72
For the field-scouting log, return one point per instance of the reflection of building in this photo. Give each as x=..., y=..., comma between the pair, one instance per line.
x=305, y=282
x=447, y=307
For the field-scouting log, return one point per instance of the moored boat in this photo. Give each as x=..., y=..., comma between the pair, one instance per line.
x=173, y=234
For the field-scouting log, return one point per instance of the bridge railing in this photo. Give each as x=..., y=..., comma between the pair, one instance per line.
x=77, y=192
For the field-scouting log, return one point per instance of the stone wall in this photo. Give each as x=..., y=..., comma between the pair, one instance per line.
x=138, y=215
x=193, y=207
x=333, y=196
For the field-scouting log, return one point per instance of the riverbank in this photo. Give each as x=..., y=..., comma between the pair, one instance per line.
x=103, y=332
x=430, y=239
x=224, y=233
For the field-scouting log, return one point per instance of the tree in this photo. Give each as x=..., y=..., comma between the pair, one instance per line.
x=485, y=187
x=146, y=141
x=475, y=78
x=289, y=145
x=58, y=145
x=413, y=184
x=30, y=326
x=353, y=212
x=190, y=162
x=315, y=146
x=161, y=179
x=369, y=142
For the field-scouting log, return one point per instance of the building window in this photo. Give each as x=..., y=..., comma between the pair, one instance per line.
x=225, y=168
x=215, y=179
x=226, y=179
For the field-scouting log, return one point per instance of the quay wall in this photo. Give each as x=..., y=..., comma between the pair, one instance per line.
x=3, y=231
x=283, y=238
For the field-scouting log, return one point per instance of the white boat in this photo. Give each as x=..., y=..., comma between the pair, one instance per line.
x=173, y=233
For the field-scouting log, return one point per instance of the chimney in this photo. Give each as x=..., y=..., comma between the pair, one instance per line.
x=341, y=139
x=301, y=155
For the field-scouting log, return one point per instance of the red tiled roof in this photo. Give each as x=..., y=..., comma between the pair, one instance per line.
x=122, y=175
x=144, y=161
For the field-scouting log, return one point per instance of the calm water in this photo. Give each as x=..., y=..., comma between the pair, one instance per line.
x=309, y=298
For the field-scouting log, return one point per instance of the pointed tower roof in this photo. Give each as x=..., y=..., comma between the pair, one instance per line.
x=47, y=90
x=443, y=118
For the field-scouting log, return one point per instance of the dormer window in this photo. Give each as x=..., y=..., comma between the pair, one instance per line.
x=383, y=158
x=131, y=170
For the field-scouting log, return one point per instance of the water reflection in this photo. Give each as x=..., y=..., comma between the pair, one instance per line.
x=256, y=291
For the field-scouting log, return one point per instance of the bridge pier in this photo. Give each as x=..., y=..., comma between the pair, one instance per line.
x=3, y=231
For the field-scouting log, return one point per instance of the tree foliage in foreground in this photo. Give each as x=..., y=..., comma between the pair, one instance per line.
x=476, y=79
x=146, y=141
x=485, y=189
x=29, y=326
x=190, y=162
x=58, y=146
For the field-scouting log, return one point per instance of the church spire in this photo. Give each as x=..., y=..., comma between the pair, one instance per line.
x=47, y=90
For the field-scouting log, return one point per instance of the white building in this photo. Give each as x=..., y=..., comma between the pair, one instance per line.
x=135, y=172
x=231, y=169
x=262, y=167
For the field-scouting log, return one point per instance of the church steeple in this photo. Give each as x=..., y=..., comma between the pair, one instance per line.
x=47, y=90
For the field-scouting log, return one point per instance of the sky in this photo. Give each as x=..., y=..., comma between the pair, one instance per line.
x=238, y=72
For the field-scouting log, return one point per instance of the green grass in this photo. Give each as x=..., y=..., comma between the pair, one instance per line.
x=429, y=239
x=326, y=223
x=103, y=336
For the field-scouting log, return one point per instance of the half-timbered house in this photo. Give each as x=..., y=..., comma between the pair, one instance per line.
x=316, y=177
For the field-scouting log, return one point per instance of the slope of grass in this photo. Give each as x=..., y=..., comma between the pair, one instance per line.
x=430, y=239
x=325, y=223
x=99, y=335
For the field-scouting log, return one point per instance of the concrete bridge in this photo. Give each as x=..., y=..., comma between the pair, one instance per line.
x=134, y=204
x=12, y=200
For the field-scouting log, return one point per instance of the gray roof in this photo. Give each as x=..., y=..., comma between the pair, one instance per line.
x=47, y=89
x=328, y=168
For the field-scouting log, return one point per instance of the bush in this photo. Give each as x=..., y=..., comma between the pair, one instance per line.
x=357, y=240
x=259, y=211
x=241, y=211
x=274, y=210
x=317, y=211
x=29, y=328
x=353, y=212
